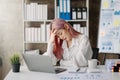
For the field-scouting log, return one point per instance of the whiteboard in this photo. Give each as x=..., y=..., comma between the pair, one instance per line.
x=109, y=27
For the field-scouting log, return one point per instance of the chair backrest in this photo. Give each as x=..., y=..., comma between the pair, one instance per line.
x=95, y=53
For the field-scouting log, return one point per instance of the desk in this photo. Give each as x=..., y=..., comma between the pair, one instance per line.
x=25, y=74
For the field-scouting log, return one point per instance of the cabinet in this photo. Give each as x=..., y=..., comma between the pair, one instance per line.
x=39, y=13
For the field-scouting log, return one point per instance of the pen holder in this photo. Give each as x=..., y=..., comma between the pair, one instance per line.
x=116, y=68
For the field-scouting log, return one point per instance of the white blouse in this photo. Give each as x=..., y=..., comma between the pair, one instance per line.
x=76, y=55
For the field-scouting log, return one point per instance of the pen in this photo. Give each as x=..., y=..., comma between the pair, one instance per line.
x=76, y=72
x=77, y=69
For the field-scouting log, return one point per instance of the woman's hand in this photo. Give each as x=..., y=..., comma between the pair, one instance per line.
x=52, y=36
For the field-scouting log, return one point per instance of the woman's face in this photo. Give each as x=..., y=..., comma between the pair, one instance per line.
x=62, y=34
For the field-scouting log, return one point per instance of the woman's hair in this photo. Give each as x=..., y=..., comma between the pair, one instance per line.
x=60, y=24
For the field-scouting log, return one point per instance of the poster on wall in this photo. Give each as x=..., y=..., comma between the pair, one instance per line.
x=109, y=27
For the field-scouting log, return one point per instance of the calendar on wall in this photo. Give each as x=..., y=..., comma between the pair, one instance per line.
x=109, y=27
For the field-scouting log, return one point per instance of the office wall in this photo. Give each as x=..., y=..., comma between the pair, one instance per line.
x=11, y=32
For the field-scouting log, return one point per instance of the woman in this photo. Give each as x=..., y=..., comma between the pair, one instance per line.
x=67, y=46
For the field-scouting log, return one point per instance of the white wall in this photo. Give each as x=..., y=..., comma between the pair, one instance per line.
x=11, y=31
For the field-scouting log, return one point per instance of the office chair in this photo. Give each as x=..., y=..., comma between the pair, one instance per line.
x=95, y=53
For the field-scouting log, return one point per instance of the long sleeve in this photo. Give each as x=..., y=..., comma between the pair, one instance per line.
x=50, y=53
x=84, y=53
x=79, y=54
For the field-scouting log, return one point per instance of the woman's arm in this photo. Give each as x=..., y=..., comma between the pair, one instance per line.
x=84, y=53
x=49, y=53
x=82, y=56
x=50, y=47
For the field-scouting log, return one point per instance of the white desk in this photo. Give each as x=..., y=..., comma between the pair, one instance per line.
x=25, y=74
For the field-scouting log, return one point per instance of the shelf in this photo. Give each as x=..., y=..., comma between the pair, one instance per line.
x=82, y=20
x=35, y=42
x=75, y=20
x=37, y=20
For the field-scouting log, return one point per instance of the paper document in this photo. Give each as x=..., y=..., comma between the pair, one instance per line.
x=84, y=76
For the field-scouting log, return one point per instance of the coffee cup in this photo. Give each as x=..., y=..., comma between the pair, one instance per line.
x=92, y=63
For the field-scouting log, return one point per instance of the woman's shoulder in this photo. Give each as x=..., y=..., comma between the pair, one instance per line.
x=82, y=36
x=82, y=39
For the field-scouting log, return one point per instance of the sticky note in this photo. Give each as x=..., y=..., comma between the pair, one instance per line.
x=105, y=4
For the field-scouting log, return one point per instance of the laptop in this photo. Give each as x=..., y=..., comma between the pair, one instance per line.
x=41, y=63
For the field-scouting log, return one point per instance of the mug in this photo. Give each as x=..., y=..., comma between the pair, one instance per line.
x=92, y=63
